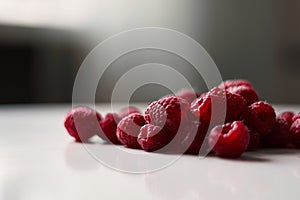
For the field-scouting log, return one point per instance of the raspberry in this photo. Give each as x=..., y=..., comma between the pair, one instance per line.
x=295, y=133
x=229, y=140
x=167, y=113
x=188, y=139
x=128, y=110
x=152, y=138
x=188, y=95
x=297, y=116
x=254, y=140
x=128, y=130
x=186, y=134
x=109, y=128
x=241, y=87
x=287, y=116
x=203, y=95
x=198, y=139
x=82, y=123
x=247, y=92
x=279, y=135
x=260, y=116
x=235, y=105
x=234, y=83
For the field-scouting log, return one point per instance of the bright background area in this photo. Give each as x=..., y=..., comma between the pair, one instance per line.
x=43, y=42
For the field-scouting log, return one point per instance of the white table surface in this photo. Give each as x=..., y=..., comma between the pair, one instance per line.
x=38, y=160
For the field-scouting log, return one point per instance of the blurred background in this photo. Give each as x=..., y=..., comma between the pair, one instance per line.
x=43, y=43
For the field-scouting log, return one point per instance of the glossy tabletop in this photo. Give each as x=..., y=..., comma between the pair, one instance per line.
x=38, y=160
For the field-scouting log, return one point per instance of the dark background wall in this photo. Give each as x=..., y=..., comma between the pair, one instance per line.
x=37, y=64
x=255, y=40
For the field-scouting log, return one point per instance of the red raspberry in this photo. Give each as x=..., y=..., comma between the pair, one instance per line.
x=109, y=128
x=287, y=116
x=234, y=83
x=297, y=116
x=186, y=135
x=260, y=116
x=248, y=93
x=203, y=95
x=295, y=133
x=128, y=130
x=254, y=140
x=152, y=138
x=128, y=110
x=188, y=95
x=167, y=113
x=235, y=105
x=229, y=140
x=82, y=123
x=198, y=139
x=279, y=135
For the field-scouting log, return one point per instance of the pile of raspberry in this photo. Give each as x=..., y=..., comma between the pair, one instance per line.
x=229, y=118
